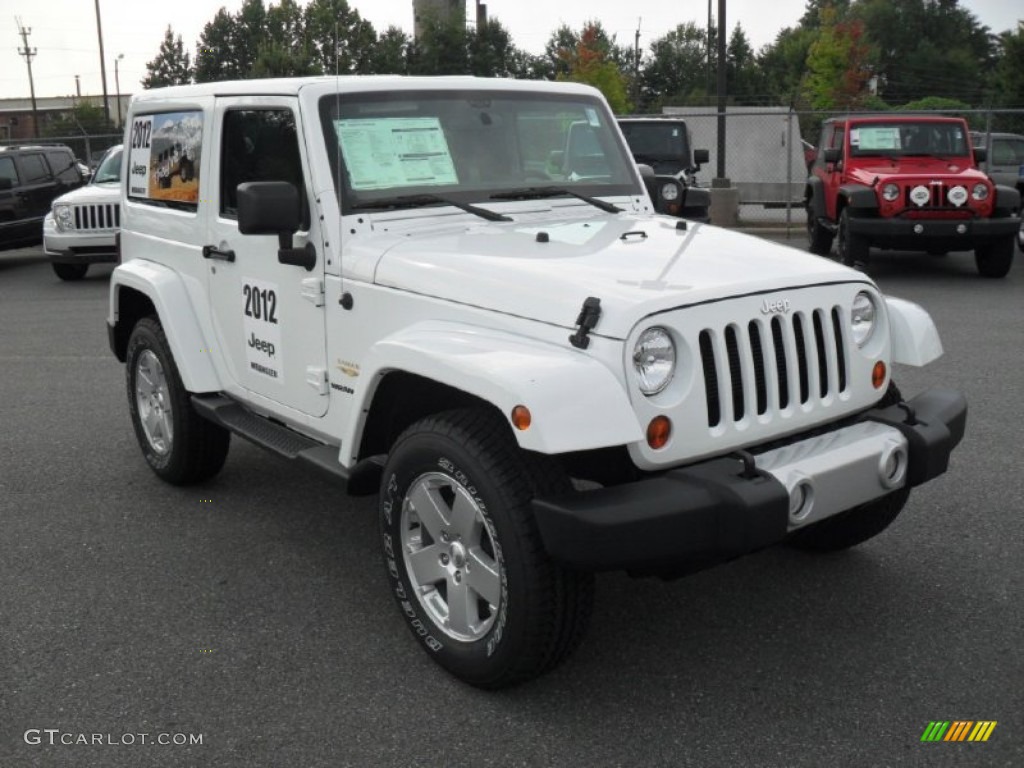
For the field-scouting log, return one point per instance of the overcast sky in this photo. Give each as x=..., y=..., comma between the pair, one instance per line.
x=64, y=31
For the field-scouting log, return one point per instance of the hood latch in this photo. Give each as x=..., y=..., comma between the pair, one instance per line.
x=590, y=313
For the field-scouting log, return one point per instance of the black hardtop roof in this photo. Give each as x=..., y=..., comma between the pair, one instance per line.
x=904, y=117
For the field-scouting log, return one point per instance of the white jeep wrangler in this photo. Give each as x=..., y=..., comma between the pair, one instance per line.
x=406, y=283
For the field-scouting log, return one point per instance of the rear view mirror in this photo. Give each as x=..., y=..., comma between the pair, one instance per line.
x=268, y=208
x=701, y=156
x=980, y=154
x=833, y=155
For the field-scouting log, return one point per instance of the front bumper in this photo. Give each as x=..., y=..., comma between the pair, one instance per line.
x=691, y=518
x=74, y=247
x=899, y=232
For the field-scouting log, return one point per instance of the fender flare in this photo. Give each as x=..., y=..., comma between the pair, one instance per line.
x=576, y=402
x=1007, y=199
x=915, y=339
x=814, y=196
x=168, y=293
x=859, y=196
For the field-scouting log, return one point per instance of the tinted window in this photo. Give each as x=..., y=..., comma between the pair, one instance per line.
x=34, y=168
x=110, y=167
x=655, y=140
x=259, y=145
x=64, y=167
x=7, y=170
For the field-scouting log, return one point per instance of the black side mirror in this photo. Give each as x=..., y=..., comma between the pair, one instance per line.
x=701, y=156
x=980, y=154
x=667, y=192
x=272, y=208
x=833, y=155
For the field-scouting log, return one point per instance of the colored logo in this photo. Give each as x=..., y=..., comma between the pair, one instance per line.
x=958, y=730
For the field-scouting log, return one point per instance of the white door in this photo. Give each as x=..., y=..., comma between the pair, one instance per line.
x=268, y=316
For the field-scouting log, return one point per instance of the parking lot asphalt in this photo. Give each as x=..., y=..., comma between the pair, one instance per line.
x=253, y=610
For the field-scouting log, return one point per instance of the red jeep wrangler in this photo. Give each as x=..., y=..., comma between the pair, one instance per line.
x=908, y=183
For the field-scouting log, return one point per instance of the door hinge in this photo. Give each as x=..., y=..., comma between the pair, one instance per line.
x=313, y=290
x=316, y=377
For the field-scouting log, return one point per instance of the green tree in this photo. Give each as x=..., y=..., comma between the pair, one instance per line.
x=83, y=118
x=782, y=64
x=284, y=49
x=389, y=54
x=838, y=64
x=1008, y=78
x=171, y=66
x=215, y=57
x=327, y=20
x=587, y=63
x=676, y=71
x=442, y=48
x=745, y=80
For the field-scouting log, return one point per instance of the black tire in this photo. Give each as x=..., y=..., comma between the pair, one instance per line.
x=857, y=525
x=819, y=239
x=994, y=259
x=70, y=272
x=852, y=250
x=540, y=610
x=195, y=449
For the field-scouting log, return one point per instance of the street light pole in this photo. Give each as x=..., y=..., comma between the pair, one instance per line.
x=117, y=84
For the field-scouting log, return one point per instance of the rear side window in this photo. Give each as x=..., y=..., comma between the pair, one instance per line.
x=259, y=145
x=63, y=166
x=165, y=158
x=7, y=170
x=34, y=168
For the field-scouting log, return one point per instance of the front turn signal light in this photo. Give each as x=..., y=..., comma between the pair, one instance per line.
x=659, y=431
x=521, y=418
x=878, y=375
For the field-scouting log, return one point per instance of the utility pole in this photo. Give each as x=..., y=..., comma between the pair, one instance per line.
x=29, y=53
x=78, y=86
x=721, y=89
x=103, y=64
x=707, y=89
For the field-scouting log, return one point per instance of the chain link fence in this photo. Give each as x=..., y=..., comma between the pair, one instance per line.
x=767, y=152
x=87, y=148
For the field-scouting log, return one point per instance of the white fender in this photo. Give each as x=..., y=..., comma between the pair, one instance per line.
x=576, y=403
x=166, y=289
x=915, y=339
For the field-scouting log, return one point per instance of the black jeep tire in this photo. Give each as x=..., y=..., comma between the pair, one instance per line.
x=458, y=530
x=179, y=445
x=819, y=238
x=852, y=250
x=70, y=272
x=994, y=259
x=857, y=525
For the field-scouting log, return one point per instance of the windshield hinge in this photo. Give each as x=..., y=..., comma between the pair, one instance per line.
x=590, y=313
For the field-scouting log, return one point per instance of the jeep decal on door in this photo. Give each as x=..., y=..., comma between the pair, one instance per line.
x=165, y=153
x=262, y=330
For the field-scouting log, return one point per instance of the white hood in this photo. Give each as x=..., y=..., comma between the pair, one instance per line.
x=636, y=265
x=107, y=192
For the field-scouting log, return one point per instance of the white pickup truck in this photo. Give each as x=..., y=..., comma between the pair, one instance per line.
x=407, y=284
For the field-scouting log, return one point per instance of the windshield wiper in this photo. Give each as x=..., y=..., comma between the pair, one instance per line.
x=420, y=201
x=536, y=193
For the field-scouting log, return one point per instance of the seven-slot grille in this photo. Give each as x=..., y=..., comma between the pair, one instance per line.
x=937, y=195
x=97, y=216
x=766, y=366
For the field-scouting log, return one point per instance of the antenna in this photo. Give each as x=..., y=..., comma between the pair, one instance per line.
x=346, y=298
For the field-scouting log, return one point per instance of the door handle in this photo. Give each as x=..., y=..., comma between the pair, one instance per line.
x=212, y=252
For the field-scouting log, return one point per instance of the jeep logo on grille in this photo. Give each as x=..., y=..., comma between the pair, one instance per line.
x=770, y=307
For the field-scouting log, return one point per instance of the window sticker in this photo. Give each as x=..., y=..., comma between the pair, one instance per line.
x=854, y=137
x=382, y=153
x=880, y=137
x=261, y=321
x=592, y=117
x=164, y=157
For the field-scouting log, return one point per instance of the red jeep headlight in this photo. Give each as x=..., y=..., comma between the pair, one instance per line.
x=980, y=192
x=890, y=192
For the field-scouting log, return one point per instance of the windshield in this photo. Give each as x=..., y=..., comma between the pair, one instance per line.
x=470, y=145
x=663, y=141
x=908, y=138
x=110, y=167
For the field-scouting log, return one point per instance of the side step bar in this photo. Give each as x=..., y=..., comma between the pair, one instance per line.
x=361, y=480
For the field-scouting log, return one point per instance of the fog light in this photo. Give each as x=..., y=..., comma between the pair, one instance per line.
x=878, y=375
x=521, y=417
x=801, y=499
x=918, y=229
x=658, y=432
x=961, y=229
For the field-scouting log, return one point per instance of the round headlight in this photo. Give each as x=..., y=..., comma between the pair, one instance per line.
x=958, y=195
x=890, y=192
x=862, y=318
x=62, y=215
x=980, y=192
x=670, y=192
x=654, y=360
x=920, y=195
